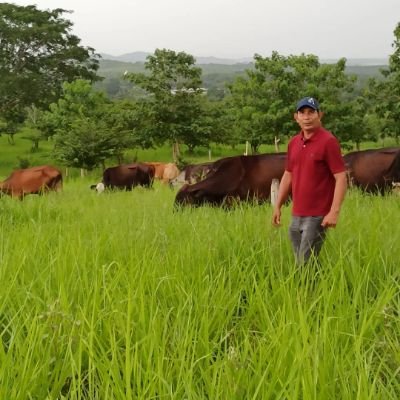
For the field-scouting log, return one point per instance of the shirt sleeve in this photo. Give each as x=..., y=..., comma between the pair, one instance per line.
x=334, y=157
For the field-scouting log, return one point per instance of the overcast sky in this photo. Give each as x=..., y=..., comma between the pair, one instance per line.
x=234, y=28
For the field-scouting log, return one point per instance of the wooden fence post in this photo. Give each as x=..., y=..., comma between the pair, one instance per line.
x=274, y=191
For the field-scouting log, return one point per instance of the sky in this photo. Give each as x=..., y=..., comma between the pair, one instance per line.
x=234, y=28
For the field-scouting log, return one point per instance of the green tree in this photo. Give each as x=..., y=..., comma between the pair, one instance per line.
x=85, y=127
x=174, y=108
x=264, y=100
x=126, y=116
x=221, y=122
x=31, y=129
x=385, y=94
x=37, y=54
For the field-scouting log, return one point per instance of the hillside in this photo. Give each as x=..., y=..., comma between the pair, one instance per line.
x=115, y=68
x=215, y=75
x=140, y=56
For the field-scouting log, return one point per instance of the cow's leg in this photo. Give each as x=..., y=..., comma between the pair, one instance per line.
x=229, y=201
x=18, y=194
x=43, y=190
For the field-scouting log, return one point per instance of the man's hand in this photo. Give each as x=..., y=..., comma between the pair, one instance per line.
x=276, y=217
x=284, y=190
x=330, y=219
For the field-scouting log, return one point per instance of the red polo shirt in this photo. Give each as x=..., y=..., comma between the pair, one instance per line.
x=312, y=163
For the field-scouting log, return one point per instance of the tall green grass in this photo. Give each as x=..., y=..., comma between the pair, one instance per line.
x=116, y=296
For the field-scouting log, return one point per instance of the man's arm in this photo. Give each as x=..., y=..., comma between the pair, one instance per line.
x=330, y=219
x=284, y=190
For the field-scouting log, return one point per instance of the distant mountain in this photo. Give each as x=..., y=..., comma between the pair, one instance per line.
x=114, y=68
x=136, y=56
x=140, y=56
x=352, y=62
x=224, y=61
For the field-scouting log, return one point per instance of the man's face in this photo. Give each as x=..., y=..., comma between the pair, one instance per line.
x=308, y=118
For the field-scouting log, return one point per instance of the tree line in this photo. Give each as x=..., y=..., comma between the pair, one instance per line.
x=48, y=90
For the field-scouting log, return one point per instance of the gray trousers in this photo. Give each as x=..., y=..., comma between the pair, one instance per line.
x=307, y=236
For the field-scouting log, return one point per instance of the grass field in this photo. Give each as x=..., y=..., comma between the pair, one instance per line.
x=11, y=156
x=116, y=296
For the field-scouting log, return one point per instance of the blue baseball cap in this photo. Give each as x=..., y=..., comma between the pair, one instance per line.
x=308, y=102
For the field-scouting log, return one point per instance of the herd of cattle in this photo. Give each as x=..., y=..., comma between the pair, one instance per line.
x=238, y=178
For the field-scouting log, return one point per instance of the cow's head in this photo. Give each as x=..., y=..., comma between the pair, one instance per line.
x=396, y=187
x=183, y=197
x=189, y=195
x=99, y=187
x=193, y=195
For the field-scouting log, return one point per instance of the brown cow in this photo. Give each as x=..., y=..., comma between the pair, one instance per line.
x=158, y=169
x=374, y=170
x=126, y=176
x=35, y=180
x=165, y=172
x=244, y=178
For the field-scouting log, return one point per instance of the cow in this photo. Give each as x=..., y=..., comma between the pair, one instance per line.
x=171, y=171
x=243, y=178
x=35, y=180
x=373, y=170
x=126, y=176
x=192, y=173
x=165, y=172
x=396, y=188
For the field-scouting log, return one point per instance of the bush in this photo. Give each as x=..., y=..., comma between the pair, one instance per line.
x=23, y=163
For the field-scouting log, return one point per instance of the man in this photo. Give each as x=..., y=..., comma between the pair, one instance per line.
x=315, y=176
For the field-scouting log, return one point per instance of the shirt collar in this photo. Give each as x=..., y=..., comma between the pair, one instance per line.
x=312, y=138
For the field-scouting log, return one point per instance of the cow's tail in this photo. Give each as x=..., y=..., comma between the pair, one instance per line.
x=107, y=178
x=394, y=169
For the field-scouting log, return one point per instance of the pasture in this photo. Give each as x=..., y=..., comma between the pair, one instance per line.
x=12, y=156
x=116, y=296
